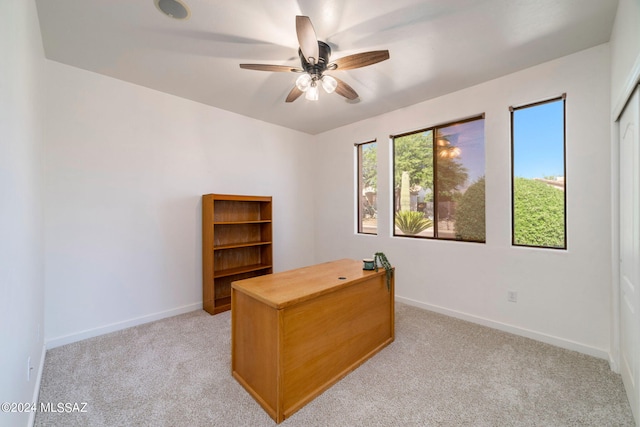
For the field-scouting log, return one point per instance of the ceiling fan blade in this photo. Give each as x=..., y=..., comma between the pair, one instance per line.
x=307, y=39
x=294, y=94
x=266, y=67
x=345, y=90
x=360, y=59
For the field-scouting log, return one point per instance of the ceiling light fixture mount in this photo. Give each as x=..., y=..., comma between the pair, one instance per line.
x=176, y=9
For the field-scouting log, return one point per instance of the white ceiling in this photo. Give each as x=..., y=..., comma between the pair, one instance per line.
x=436, y=47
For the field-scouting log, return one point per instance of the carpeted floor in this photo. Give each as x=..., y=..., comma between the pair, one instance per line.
x=440, y=371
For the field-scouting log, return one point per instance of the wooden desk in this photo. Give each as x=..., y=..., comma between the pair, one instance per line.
x=296, y=333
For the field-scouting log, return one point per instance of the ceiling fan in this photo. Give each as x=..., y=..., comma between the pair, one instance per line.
x=314, y=58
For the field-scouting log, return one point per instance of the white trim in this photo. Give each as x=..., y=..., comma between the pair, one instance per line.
x=36, y=390
x=627, y=91
x=614, y=361
x=90, y=333
x=548, y=339
x=356, y=191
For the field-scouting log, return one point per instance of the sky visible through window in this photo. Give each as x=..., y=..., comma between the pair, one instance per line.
x=539, y=132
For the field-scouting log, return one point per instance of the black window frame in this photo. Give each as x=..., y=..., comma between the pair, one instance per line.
x=512, y=110
x=358, y=155
x=433, y=129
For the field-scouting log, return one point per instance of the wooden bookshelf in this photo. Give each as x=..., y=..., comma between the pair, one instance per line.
x=236, y=245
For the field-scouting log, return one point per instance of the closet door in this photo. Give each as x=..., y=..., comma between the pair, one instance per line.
x=630, y=251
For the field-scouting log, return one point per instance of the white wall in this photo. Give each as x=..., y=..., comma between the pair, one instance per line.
x=21, y=218
x=125, y=170
x=563, y=296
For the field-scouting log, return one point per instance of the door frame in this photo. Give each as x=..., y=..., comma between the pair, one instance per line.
x=616, y=296
x=632, y=82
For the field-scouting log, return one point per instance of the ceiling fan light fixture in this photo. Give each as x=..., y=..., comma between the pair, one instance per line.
x=314, y=57
x=329, y=84
x=312, y=92
x=303, y=82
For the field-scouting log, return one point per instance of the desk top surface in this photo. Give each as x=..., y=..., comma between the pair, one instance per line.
x=286, y=288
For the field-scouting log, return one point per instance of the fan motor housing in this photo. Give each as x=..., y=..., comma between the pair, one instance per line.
x=323, y=60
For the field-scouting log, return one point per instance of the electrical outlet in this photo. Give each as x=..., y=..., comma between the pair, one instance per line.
x=512, y=296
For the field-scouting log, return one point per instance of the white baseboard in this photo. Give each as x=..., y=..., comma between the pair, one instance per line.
x=549, y=339
x=36, y=390
x=90, y=333
x=613, y=364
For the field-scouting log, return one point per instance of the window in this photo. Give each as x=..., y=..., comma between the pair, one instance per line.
x=440, y=195
x=538, y=174
x=367, y=187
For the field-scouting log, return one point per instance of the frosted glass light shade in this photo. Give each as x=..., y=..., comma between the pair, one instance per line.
x=303, y=82
x=312, y=92
x=329, y=84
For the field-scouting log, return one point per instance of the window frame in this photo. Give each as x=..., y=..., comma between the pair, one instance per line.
x=359, y=157
x=394, y=206
x=512, y=110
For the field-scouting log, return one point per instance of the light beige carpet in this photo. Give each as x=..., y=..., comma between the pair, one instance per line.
x=440, y=371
